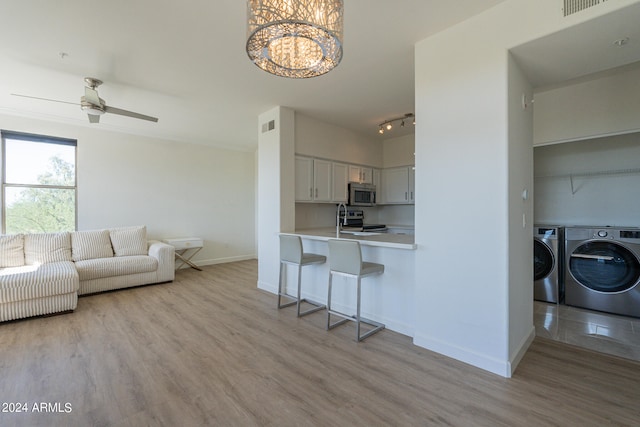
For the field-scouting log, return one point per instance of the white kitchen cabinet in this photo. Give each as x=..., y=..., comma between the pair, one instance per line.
x=304, y=179
x=412, y=184
x=322, y=180
x=340, y=182
x=398, y=185
x=314, y=180
x=360, y=174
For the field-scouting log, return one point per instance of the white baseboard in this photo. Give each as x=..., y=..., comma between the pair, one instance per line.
x=499, y=367
x=522, y=349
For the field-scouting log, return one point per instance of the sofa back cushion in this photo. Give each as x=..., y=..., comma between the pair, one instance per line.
x=91, y=245
x=44, y=248
x=11, y=250
x=127, y=241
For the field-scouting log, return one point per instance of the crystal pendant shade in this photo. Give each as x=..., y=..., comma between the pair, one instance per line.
x=295, y=38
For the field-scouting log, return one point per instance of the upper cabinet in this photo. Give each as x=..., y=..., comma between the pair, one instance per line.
x=340, y=182
x=603, y=104
x=320, y=181
x=360, y=174
x=304, y=179
x=398, y=185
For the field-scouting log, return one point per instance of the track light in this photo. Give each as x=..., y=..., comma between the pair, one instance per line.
x=388, y=124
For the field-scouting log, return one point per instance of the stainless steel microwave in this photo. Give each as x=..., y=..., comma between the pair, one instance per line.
x=362, y=194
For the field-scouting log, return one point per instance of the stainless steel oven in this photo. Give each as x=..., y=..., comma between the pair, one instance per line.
x=362, y=194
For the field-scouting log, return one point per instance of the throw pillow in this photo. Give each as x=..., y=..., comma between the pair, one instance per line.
x=11, y=250
x=91, y=245
x=129, y=241
x=44, y=248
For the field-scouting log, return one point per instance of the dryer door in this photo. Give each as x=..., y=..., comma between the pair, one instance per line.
x=604, y=266
x=543, y=260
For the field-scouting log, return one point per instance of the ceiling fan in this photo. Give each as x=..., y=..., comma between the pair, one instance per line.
x=94, y=105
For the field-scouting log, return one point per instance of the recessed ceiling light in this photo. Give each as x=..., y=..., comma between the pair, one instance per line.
x=621, y=42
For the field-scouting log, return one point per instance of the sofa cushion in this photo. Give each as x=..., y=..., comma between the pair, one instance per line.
x=116, y=266
x=47, y=247
x=90, y=244
x=11, y=250
x=37, y=281
x=127, y=241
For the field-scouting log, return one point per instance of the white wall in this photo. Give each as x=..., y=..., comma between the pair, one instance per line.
x=276, y=191
x=465, y=206
x=317, y=139
x=176, y=189
x=603, y=104
x=520, y=196
x=599, y=196
x=399, y=151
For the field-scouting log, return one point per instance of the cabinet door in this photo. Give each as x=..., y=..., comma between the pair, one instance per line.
x=304, y=179
x=366, y=175
x=360, y=174
x=396, y=185
x=412, y=184
x=322, y=180
x=340, y=181
x=354, y=173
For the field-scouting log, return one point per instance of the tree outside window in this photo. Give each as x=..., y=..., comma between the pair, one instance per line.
x=39, y=184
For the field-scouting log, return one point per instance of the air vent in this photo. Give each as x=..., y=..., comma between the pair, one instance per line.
x=574, y=6
x=266, y=127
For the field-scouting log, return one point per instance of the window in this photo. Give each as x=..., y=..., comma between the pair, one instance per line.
x=38, y=183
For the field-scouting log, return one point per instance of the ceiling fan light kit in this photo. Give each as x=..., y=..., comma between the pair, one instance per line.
x=295, y=38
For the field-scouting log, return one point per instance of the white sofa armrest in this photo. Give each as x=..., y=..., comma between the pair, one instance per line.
x=165, y=254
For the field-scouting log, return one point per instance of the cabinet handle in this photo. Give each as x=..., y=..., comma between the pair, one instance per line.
x=311, y=193
x=405, y=196
x=412, y=195
x=316, y=193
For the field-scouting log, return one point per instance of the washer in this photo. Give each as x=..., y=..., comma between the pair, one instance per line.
x=603, y=269
x=548, y=269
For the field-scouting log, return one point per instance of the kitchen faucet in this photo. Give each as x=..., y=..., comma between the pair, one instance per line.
x=338, y=218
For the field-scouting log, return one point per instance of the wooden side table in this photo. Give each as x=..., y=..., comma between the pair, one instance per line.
x=183, y=246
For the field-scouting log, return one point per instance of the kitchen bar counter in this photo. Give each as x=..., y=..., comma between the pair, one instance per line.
x=385, y=240
x=386, y=298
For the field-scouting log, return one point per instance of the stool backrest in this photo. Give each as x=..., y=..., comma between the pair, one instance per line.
x=291, y=249
x=345, y=256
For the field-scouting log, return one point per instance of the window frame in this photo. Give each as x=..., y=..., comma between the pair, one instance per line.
x=22, y=136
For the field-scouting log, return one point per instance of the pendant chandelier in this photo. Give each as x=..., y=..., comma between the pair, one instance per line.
x=295, y=38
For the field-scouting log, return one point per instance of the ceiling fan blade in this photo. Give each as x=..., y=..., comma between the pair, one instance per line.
x=44, y=99
x=93, y=118
x=91, y=95
x=121, y=112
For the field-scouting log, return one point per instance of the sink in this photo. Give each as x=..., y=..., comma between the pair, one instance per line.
x=361, y=233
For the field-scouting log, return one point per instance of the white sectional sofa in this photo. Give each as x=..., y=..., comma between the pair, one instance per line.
x=45, y=273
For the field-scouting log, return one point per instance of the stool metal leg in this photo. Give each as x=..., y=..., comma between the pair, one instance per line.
x=316, y=305
x=330, y=312
x=281, y=292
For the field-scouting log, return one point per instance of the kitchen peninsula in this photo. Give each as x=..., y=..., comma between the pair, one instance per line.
x=386, y=298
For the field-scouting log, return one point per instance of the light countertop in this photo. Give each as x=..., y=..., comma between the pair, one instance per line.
x=385, y=240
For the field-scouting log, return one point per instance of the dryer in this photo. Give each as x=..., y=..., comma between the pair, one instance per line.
x=603, y=269
x=548, y=269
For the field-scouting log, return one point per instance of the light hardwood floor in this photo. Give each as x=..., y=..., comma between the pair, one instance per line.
x=210, y=349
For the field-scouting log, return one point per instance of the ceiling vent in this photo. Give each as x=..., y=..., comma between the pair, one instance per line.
x=573, y=6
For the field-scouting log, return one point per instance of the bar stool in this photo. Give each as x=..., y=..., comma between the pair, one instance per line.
x=345, y=259
x=291, y=253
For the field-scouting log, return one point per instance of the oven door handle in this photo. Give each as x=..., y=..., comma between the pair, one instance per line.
x=598, y=257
